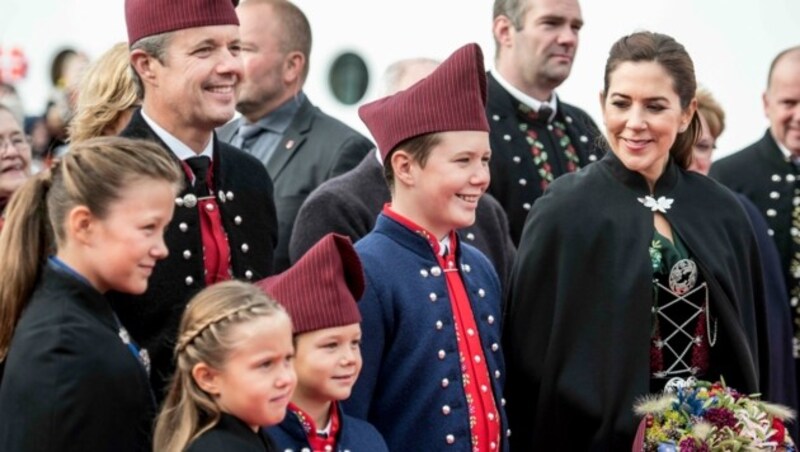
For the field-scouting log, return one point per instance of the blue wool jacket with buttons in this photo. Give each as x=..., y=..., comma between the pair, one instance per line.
x=410, y=387
x=355, y=435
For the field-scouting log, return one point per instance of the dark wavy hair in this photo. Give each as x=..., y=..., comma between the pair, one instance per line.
x=647, y=46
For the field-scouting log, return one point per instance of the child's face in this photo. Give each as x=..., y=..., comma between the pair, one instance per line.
x=122, y=249
x=258, y=378
x=327, y=363
x=444, y=194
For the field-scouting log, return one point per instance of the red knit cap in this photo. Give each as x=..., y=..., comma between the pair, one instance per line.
x=453, y=97
x=151, y=17
x=322, y=288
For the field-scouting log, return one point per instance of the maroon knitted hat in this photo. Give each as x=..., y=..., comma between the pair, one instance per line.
x=322, y=288
x=151, y=17
x=453, y=97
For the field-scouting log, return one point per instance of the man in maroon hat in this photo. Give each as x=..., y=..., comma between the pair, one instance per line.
x=433, y=368
x=185, y=54
x=320, y=292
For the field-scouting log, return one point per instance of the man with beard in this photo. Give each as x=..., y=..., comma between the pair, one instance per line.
x=300, y=145
x=535, y=137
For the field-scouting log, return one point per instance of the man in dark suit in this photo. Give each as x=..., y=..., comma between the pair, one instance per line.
x=186, y=58
x=768, y=172
x=300, y=145
x=534, y=136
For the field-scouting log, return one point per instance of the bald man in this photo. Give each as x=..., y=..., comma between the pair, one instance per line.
x=768, y=173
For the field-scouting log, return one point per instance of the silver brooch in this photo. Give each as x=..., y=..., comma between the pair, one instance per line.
x=683, y=276
x=662, y=204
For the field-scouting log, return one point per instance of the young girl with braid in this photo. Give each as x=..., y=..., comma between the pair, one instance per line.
x=74, y=380
x=234, y=373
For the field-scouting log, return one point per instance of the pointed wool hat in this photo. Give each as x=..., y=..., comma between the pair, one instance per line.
x=452, y=97
x=322, y=288
x=151, y=17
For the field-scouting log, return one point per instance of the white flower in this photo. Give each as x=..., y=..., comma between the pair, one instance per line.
x=662, y=204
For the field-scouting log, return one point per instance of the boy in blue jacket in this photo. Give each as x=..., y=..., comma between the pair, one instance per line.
x=433, y=369
x=320, y=293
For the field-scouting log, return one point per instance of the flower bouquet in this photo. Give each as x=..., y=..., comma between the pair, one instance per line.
x=699, y=416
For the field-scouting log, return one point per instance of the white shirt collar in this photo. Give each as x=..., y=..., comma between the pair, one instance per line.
x=529, y=101
x=175, y=145
x=786, y=152
x=444, y=245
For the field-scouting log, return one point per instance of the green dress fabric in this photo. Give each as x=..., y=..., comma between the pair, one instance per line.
x=679, y=344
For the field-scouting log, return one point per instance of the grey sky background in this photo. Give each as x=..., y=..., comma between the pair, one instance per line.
x=731, y=43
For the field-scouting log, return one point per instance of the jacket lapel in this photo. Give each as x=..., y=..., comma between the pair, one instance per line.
x=292, y=140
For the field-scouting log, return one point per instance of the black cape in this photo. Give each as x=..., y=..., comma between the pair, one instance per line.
x=578, y=324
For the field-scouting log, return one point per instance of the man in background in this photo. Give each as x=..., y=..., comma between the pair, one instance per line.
x=300, y=145
x=535, y=137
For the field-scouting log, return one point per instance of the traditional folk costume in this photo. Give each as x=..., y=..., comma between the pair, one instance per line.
x=297, y=433
x=74, y=380
x=604, y=310
x=224, y=225
x=349, y=204
x=769, y=176
x=532, y=145
x=320, y=292
x=433, y=368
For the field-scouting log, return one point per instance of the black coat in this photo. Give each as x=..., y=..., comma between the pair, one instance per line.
x=232, y=435
x=515, y=180
x=70, y=383
x=248, y=216
x=349, y=204
x=763, y=174
x=578, y=326
x=314, y=148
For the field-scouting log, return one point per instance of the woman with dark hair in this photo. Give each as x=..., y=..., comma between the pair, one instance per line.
x=630, y=272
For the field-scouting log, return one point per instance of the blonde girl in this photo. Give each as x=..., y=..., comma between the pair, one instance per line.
x=234, y=372
x=74, y=379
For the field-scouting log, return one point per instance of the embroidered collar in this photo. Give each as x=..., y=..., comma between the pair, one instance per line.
x=317, y=438
x=432, y=240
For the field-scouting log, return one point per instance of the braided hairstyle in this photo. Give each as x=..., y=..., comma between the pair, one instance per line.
x=205, y=336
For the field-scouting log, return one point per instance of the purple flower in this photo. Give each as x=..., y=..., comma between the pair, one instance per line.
x=690, y=445
x=720, y=417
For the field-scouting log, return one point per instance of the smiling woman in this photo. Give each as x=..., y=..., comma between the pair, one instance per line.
x=631, y=271
x=643, y=115
x=15, y=158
